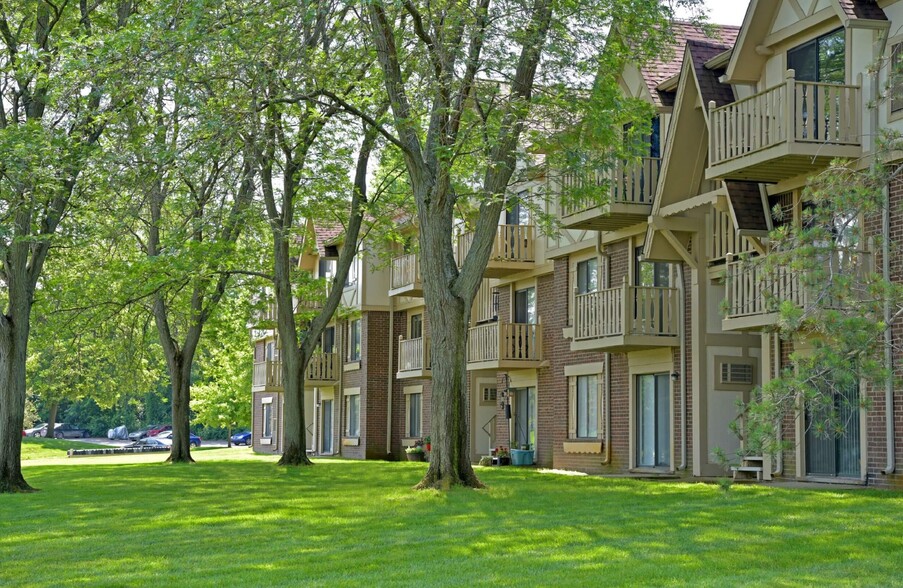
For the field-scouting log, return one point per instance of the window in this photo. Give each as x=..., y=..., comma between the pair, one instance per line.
x=525, y=306
x=490, y=396
x=272, y=353
x=650, y=273
x=820, y=60
x=413, y=413
x=327, y=341
x=353, y=412
x=524, y=417
x=519, y=214
x=896, y=78
x=268, y=421
x=416, y=326
x=587, y=407
x=354, y=340
x=351, y=279
x=588, y=276
x=326, y=268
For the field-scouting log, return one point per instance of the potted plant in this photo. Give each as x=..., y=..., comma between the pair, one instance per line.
x=522, y=456
x=501, y=456
x=426, y=442
x=414, y=453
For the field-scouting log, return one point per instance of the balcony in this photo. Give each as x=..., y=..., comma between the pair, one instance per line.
x=504, y=346
x=513, y=250
x=628, y=318
x=413, y=358
x=322, y=370
x=791, y=129
x=755, y=291
x=266, y=318
x=631, y=189
x=405, y=276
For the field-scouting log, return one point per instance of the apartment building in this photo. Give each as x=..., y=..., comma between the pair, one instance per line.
x=627, y=342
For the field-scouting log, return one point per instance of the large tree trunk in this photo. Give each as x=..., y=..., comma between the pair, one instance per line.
x=294, y=448
x=180, y=376
x=51, y=419
x=13, y=351
x=449, y=457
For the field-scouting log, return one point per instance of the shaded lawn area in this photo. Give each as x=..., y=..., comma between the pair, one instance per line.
x=40, y=448
x=343, y=523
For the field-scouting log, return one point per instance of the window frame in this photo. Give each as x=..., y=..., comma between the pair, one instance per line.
x=352, y=398
x=355, y=346
x=409, y=422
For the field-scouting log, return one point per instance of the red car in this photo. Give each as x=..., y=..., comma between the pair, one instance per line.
x=154, y=431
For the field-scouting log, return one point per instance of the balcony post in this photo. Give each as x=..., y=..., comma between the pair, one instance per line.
x=713, y=143
x=626, y=308
x=790, y=131
x=501, y=340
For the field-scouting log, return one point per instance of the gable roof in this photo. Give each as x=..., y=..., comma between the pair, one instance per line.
x=711, y=90
x=862, y=9
x=668, y=64
x=746, y=62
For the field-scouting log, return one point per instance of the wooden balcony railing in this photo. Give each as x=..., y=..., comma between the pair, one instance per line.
x=405, y=272
x=504, y=342
x=513, y=243
x=724, y=238
x=755, y=288
x=628, y=183
x=322, y=367
x=267, y=374
x=795, y=112
x=626, y=310
x=413, y=354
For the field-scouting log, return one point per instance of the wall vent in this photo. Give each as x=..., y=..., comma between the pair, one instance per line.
x=737, y=373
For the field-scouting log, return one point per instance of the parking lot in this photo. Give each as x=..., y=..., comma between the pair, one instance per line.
x=121, y=443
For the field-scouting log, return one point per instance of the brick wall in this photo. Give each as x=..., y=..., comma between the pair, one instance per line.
x=398, y=398
x=876, y=419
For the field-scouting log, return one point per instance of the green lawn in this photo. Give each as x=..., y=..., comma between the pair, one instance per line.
x=40, y=448
x=250, y=523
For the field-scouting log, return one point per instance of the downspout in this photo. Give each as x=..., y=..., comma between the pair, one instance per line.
x=776, y=351
x=681, y=333
x=391, y=375
x=607, y=386
x=606, y=382
x=888, y=340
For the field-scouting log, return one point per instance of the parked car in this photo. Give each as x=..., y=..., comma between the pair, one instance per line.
x=155, y=431
x=36, y=430
x=149, y=442
x=195, y=441
x=65, y=431
x=138, y=435
x=242, y=438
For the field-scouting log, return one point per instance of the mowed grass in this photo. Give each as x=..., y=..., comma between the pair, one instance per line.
x=249, y=522
x=40, y=448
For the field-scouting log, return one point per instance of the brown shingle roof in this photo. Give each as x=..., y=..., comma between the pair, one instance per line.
x=865, y=9
x=668, y=64
x=326, y=233
x=709, y=86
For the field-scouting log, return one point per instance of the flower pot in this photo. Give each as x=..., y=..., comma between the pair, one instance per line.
x=415, y=456
x=521, y=457
x=502, y=461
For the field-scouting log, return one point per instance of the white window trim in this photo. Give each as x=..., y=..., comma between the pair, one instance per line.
x=572, y=408
x=346, y=393
x=408, y=391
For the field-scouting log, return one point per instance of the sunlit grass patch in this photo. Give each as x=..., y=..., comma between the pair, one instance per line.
x=251, y=522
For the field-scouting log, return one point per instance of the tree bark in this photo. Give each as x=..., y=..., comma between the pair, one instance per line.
x=449, y=456
x=447, y=291
x=51, y=419
x=13, y=351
